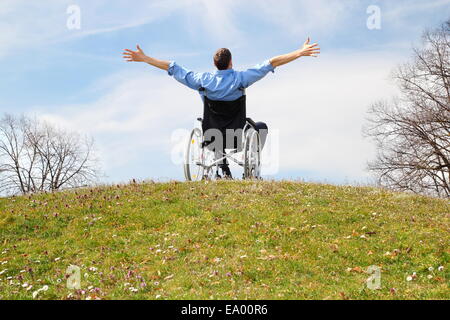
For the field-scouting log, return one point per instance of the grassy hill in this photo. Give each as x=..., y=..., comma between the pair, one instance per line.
x=225, y=240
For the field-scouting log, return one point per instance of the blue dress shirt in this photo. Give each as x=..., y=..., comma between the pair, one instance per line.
x=221, y=85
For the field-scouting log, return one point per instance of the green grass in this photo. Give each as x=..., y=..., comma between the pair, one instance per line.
x=224, y=240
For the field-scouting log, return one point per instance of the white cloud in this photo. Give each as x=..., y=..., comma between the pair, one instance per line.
x=319, y=106
x=409, y=17
x=27, y=23
x=293, y=17
x=398, y=9
x=135, y=116
x=119, y=15
x=300, y=17
x=215, y=20
x=38, y=23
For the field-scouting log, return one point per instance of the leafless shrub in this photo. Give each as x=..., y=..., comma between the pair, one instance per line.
x=412, y=132
x=35, y=156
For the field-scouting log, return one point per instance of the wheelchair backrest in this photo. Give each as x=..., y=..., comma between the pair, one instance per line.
x=224, y=116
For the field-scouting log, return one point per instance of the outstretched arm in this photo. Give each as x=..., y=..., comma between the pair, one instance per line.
x=252, y=75
x=308, y=50
x=139, y=56
x=191, y=79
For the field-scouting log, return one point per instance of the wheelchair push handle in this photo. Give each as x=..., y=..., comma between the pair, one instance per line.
x=252, y=123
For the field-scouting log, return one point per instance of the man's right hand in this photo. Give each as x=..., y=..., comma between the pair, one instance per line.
x=135, y=56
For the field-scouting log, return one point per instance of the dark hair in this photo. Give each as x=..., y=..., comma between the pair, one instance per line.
x=222, y=59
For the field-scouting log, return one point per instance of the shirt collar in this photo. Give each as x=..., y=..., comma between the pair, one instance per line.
x=224, y=71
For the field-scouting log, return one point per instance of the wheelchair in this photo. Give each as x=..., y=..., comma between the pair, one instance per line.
x=203, y=157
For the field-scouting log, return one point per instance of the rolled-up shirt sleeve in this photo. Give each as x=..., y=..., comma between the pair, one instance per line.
x=256, y=73
x=189, y=78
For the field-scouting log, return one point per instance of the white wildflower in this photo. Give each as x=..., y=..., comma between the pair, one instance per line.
x=35, y=293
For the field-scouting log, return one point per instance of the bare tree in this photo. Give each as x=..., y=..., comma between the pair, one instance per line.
x=35, y=156
x=413, y=131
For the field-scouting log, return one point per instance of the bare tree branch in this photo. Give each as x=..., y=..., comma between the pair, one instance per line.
x=36, y=157
x=412, y=133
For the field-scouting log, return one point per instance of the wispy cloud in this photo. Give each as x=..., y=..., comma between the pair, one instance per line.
x=131, y=117
x=37, y=23
x=398, y=9
x=26, y=24
x=140, y=14
x=300, y=17
x=320, y=107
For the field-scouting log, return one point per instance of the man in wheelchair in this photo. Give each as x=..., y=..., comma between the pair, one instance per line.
x=223, y=95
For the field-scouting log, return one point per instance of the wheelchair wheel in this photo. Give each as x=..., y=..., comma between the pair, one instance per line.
x=193, y=159
x=252, y=165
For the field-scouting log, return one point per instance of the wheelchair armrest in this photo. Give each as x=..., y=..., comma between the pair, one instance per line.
x=252, y=123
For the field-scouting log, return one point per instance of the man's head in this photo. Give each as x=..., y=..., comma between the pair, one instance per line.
x=223, y=59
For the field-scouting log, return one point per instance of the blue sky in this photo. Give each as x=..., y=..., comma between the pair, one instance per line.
x=77, y=80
